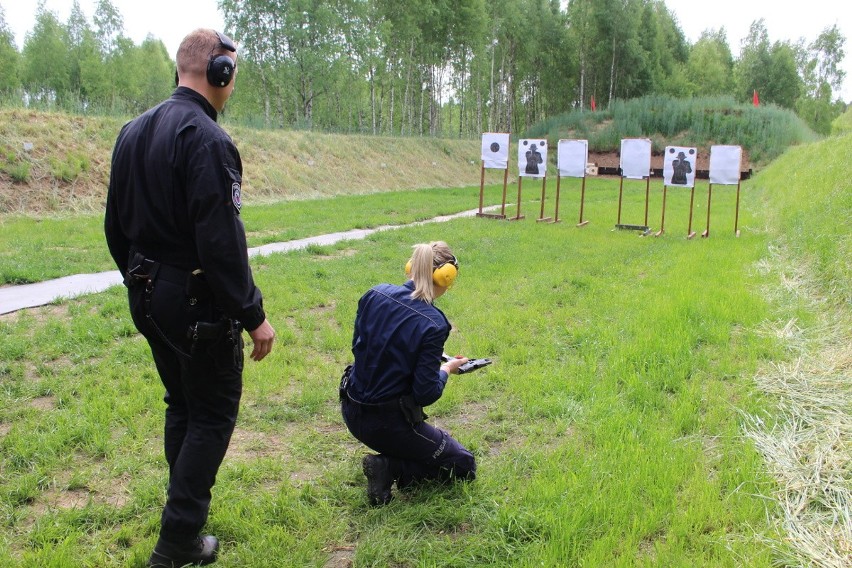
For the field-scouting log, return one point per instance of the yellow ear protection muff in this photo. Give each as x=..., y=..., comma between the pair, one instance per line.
x=220, y=68
x=444, y=275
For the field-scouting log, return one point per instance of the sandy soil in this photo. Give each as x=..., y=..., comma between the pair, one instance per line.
x=613, y=160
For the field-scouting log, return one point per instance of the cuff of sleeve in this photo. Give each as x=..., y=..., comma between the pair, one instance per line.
x=444, y=376
x=252, y=318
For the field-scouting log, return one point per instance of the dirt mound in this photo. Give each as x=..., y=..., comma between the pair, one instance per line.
x=613, y=160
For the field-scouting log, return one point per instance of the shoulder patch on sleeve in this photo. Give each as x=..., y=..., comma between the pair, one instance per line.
x=236, y=196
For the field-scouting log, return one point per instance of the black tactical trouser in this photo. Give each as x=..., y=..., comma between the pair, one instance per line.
x=203, y=380
x=418, y=451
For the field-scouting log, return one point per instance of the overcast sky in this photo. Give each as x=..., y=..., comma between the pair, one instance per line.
x=171, y=20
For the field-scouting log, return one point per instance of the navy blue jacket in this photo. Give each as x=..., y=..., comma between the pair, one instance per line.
x=397, y=343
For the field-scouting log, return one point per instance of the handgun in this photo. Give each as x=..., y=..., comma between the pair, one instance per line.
x=471, y=365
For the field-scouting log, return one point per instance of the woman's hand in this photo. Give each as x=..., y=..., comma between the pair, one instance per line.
x=451, y=367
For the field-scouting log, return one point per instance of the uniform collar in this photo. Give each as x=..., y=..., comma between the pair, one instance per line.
x=186, y=93
x=409, y=284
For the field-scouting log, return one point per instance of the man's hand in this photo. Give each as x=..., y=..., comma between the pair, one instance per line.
x=262, y=337
x=452, y=366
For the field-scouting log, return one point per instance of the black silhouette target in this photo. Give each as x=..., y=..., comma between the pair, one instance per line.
x=532, y=158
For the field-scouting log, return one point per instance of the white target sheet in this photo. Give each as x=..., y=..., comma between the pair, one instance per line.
x=495, y=150
x=532, y=157
x=572, y=157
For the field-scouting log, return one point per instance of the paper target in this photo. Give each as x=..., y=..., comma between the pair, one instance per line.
x=495, y=150
x=572, y=157
x=725, y=164
x=636, y=158
x=532, y=157
x=679, y=166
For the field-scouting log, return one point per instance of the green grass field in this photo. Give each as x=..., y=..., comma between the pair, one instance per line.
x=620, y=425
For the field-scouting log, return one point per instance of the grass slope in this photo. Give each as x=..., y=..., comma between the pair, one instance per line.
x=58, y=164
x=808, y=196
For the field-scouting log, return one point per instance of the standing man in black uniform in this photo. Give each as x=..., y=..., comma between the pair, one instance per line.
x=173, y=228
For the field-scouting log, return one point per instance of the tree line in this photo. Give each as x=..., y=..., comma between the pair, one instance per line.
x=426, y=67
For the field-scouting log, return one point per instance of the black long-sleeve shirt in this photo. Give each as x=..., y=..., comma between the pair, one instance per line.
x=174, y=196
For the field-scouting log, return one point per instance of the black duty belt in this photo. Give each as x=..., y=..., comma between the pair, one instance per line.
x=166, y=272
x=386, y=405
x=141, y=268
x=413, y=412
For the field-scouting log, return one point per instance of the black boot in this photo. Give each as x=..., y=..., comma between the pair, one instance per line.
x=197, y=552
x=379, y=479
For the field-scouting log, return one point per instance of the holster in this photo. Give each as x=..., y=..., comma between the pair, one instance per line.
x=136, y=271
x=344, y=382
x=220, y=339
x=208, y=332
x=411, y=410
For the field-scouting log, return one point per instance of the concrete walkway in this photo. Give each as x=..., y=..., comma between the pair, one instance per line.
x=14, y=298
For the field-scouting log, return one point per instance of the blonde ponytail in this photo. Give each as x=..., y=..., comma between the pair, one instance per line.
x=425, y=259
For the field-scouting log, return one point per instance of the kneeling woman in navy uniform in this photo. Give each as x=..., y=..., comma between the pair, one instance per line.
x=398, y=343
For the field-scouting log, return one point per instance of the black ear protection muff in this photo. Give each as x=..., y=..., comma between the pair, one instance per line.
x=444, y=275
x=220, y=68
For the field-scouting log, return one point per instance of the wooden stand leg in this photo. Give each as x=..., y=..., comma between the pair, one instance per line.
x=556, y=210
x=582, y=201
x=518, y=215
x=541, y=216
x=646, y=230
x=502, y=214
x=737, y=213
x=481, y=186
x=505, y=180
x=689, y=232
x=706, y=232
x=663, y=219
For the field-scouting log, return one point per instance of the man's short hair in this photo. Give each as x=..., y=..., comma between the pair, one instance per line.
x=195, y=51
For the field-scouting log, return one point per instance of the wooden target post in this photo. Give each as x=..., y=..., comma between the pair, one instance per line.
x=636, y=165
x=706, y=232
x=725, y=169
x=556, y=209
x=689, y=232
x=663, y=218
x=502, y=214
x=678, y=170
x=495, y=155
x=619, y=225
x=572, y=158
x=518, y=215
x=541, y=217
x=581, y=222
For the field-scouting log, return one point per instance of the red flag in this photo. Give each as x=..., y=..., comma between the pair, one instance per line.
x=754, y=99
x=593, y=102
